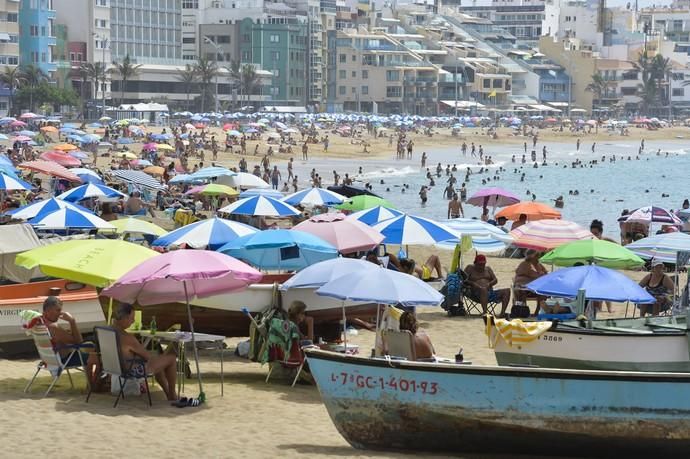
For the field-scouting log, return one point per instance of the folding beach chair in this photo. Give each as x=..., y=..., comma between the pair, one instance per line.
x=292, y=361
x=51, y=360
x=399, y=344
x=113, y=364
x=472, y=303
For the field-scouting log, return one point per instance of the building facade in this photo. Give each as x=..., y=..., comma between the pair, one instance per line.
x=9, y=46
x=36, y=38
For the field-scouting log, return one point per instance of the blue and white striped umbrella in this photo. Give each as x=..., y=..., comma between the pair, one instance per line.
x=211, y=172
x=269, y=192
x=10, y=183
x=260, y=205
x=137, y=178
x=43, y=207
x=410, y=230
x=87, y=175
x=314, y=197
x=375, y=215
x=661, y=247
x=69, y=219
x=211, y=233
x=90, y=190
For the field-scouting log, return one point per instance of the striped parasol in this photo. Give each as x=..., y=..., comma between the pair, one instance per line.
x=548, y=234
x=661, y=247
x=137, y=178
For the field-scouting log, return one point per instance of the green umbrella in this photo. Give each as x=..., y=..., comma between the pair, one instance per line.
x=362, y=202
x=602, y=253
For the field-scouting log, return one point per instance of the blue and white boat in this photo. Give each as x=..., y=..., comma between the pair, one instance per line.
x=402, y=405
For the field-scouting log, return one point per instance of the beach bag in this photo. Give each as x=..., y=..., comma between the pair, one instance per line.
x=519, y=311
x=132, y=386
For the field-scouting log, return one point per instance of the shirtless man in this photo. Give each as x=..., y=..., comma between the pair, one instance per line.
x=134, y=205
x=482, y=279
x=455, y=207
x=163, y=366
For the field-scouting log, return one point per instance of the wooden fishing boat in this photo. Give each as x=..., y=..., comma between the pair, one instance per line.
x=642, y=344
x=78, y=299
x=401, y=405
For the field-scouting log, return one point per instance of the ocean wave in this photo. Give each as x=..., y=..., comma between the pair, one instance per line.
x=389, y=172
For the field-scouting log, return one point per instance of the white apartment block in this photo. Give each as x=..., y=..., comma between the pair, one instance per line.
x=9, y=44
x=576, y=20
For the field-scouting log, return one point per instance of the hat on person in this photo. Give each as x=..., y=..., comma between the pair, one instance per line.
x=480, y=259
x=656, y=263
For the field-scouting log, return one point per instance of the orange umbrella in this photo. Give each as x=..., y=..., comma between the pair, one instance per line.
x=66, y=147
x=49, y=129
x=533, y=210
x=154, y=170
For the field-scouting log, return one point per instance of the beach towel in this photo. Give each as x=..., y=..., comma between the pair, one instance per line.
x=390, y=320
x=29, y=319
x=514, y=331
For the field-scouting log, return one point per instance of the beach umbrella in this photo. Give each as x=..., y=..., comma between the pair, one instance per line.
x=81, y=155
x=314, y=197
x=651, y=214
x=211, y=172
x=65, y=147
x=597, y=251
x=374, y=215
x=43, y=207
x=485, y=237
x=3, y=137
x=381, y=286
x=154, y=170
x=600, y=284
x=260, y=205
x=165, y=147
x=138, y=226
x=324, y=272
x=280, y=249
x=363, y=202
x=67, y=218
x=210, y=233
x=124, y=155
x=181, y=178
x=141, y=162
x=60, y=158
x=411, y=230
x=137, y=178
x=662, y=247
x=548, y=234
x=183, y=275
x=242, y=180
x=533, y=210
x=271, y=193
x=124, y=141
x=50, y=168
x=21, y=138
x=17, y=123
x=96, y=262
x=346, y=235
x=90, y=190
x=213, y=189
x=10, y=183
x=28, y=116
x=149, y=146
x=27, y=133
x=493, y=197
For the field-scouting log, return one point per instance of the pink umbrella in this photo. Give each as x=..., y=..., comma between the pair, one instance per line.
x=195, y=189
x=149, y=146
x=494, y=197
x=22, y=138
x=17, y=123
x=346, y=235
x=28, y=115
x=179, y=276
x=60, y=158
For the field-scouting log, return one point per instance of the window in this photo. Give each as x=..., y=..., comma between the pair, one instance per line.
x=223, y=39
x=342, y=58
x=342, y=90
x=353, y=90
x=101, y=23
x=190, y=4
x=276, y=73
x=246, y=38
x=393, y=91
x=101, y=2
x=365, y=74
x=188, y=40
x=274, y=38
x=486, y=83
x=627, y=91
x=354, y=58
x=12, y=17
x=354, y=74
x=678, y=92
x=392, y=75
x=33, y=31
x=275, y=55
x=342, y=74
x=498, y=83
x=365, y=90
x=188, y=57
x=43, y=57
x=9, y=60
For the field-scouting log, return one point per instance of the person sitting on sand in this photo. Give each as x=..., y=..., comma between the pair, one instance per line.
x=481, y=280
x=297, y=315
x=163, y=366
x=422, y=343
x=659, y=285
x=134, y=205
x=424, y=272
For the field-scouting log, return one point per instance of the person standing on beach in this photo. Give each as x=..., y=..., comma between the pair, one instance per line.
x=464, y=149
x=305, y=152
x=275, y=177
x=289, y=168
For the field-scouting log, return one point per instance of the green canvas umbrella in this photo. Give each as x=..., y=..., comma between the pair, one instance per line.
x=596, y=251
x=362, y=202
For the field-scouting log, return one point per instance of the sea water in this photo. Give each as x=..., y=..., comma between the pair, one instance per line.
x=605, y=189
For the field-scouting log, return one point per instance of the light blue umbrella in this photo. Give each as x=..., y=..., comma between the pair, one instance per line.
x=382, y=286
x=27, y=133
x=322, y=273
x=3, y=137
x=211, y=172
x=43, y=207
x=600, y=284
x=181, y=178
x=315, y=197
x=410, y=230
x=87, y=175
x=211, y=233
x=260, y=205
x=661, y=247
x=124, y=141
x=280, y=249
x=12, y=183
x=90, y=190
x=261, y=192
x=375, y=215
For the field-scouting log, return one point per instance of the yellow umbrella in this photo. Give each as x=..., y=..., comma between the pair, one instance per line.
x=164, y=146
x=154, y=170
x=125, y=154
x=214, y=189
x=65, y=147
x=135, y=225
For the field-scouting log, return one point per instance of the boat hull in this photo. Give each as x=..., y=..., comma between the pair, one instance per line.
x=592, y=349
x=460, y=408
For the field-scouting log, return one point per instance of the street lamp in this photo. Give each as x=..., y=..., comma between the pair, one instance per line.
x=219, y=50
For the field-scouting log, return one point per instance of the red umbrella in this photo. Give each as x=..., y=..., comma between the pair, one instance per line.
x=50, y=168
x=60, y=158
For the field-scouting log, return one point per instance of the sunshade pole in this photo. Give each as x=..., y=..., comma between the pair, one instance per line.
x=202, y=396
x=110, y=310
x=344, y=327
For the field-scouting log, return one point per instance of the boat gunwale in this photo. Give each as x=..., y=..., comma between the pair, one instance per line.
x=551, y=373
x=603, y=332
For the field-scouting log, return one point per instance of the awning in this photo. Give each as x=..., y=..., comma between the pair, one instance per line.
x=462, y=104
x=522, y=100
x=545, y=108
x=4, y=36
x=558, y=104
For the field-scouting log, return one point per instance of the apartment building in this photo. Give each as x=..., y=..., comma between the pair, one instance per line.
x=36, y=38
x=9, y=46
x=523, y=19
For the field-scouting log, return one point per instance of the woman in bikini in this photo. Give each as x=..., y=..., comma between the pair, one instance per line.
x=659, y=285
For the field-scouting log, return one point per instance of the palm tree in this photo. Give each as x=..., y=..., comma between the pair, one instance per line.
x=188, y=77
x=12, y=78
x=33, y=76
x=96, y=74
x=249, y=79
x=235, y=72
x=206, y=70
x=597, y=86
x=126, y=70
